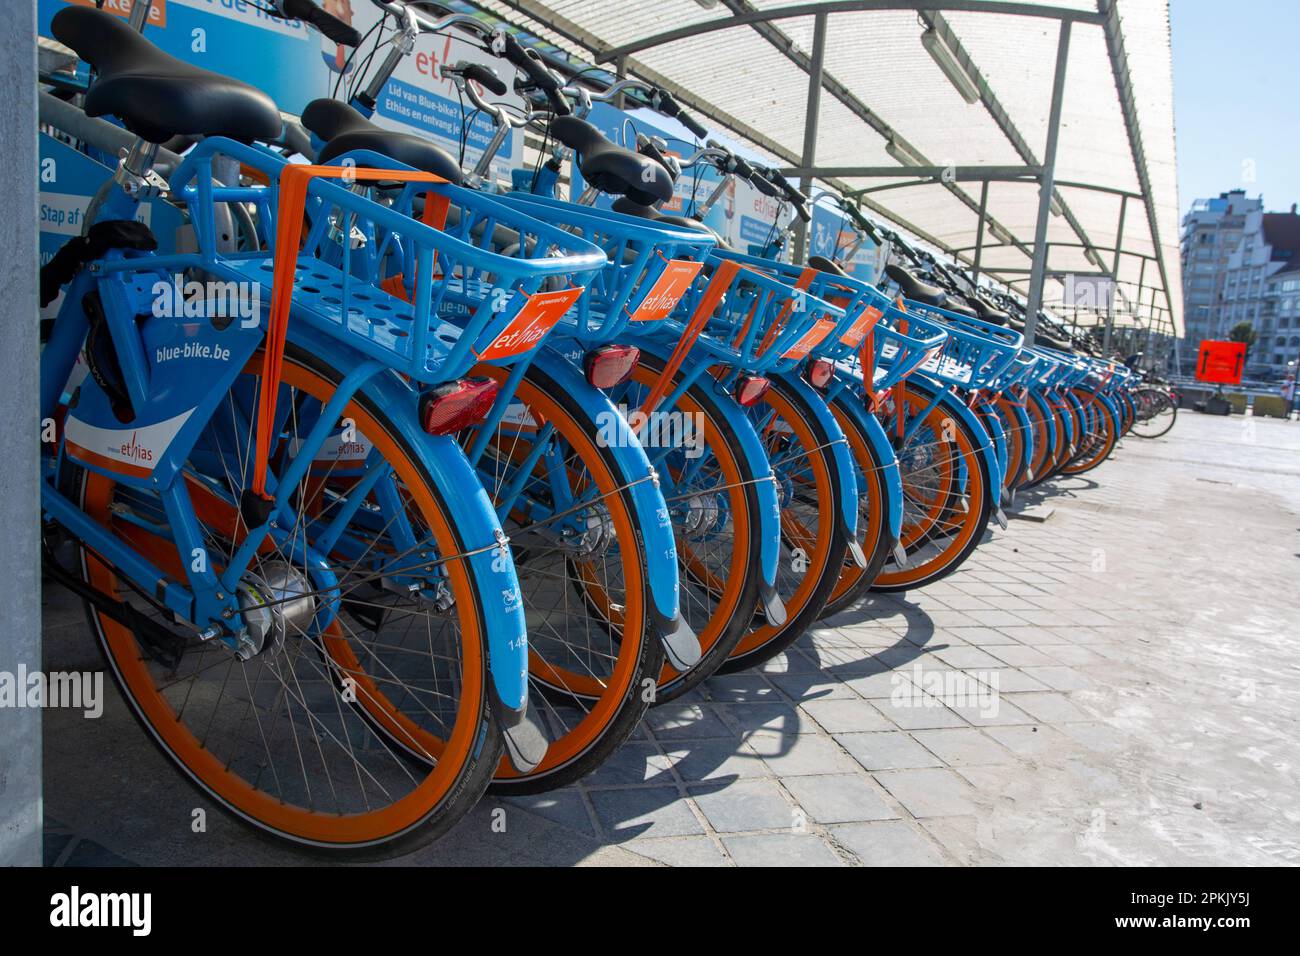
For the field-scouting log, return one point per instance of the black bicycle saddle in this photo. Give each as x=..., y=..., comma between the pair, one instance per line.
x=343, y=129
x=613, y=169
x=155, y=95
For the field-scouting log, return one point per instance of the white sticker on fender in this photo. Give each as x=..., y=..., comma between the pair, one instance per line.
x=139, y=447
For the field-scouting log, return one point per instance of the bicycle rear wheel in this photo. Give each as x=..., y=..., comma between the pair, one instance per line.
x=286, y=740
x=575, y=533
x=946, y=481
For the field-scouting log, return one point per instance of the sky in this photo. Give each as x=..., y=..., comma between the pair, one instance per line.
x=1237, y=98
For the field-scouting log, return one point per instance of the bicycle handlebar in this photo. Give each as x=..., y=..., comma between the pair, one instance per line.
x=328, y=24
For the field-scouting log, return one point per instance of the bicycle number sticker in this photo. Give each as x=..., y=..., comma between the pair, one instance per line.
x=667, y=290
x=533, y=321
x=861, y=326
x=821, y=328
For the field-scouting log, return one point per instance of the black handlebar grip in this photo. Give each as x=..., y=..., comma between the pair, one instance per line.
x=742, y=168
x=764, y=185
x=328, y=24
x=536, y=71
x=670, y=107
x=484, y=77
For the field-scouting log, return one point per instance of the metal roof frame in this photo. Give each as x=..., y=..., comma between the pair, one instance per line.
x=765, y=22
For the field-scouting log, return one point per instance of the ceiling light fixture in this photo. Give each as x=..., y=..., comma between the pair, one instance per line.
x=952, y=68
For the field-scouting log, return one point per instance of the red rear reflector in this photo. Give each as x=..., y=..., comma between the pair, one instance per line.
x=820, y=372
x=750, y=389
x=610, y=365
x=449, y=408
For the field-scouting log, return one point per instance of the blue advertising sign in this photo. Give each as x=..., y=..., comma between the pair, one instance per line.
x=832, y=235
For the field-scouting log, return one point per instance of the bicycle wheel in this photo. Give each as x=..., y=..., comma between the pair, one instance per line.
x=1099, y=436
x=1156, y=413
x=813, y=543
x=1043, y=428
x=873, y=532
x=713, y=505
x=1017, y=460
x=945, y=490
x=286, y=740
x=575, y=533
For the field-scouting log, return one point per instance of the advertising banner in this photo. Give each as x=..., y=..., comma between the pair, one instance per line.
x=831, y=234
x=743, y=215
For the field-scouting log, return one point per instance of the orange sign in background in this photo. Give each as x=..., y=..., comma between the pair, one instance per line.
x=1221, y=363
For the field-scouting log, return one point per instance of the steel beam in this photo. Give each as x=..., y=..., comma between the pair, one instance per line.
x=811, y=115
x=1046, y=185
x=752, y=17
x=979, y=230
x=929, y=172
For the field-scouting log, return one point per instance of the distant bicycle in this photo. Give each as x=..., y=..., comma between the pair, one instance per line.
x=1156, y=411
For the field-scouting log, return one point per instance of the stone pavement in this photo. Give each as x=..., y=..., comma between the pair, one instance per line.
x=1118, y=684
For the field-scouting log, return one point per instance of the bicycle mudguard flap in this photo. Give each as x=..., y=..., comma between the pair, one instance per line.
x=191, y=365
x=841, y=460
x=855, y=406
x=642, y=484
x=769, y=502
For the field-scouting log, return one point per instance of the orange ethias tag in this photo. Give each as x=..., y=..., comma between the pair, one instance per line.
x=821, y=328
x=667, y=290
x=530, y=325
x=861, y=326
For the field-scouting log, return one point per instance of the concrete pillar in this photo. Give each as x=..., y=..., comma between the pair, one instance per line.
x=20, y=559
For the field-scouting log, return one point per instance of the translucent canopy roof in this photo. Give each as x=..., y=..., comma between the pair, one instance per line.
x=745, y=66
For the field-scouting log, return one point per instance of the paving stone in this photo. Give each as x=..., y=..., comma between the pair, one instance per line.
x=680, y=851
x=838, y=798
x=1060, y=677
x=644, y=812
x=789, y=755
x=744, y=687
x=963, y=747
x=982, y=636
x=846, y=716
x=967, y=658
x=930, y=793
x=635, y=762
x=1021, y=656
x=744, y=805
x=890, y=750
x=781, y=717
x=780, y=849
x=918, y=715
x=1010, y=680
x=564, y=807
x=714, y=759
x=887, y=843
x=674, y=721
x=806, y=687
x=1050, y=707
x=1031, y=741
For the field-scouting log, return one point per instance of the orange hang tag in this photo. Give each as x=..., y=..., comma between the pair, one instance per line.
x=667, y=290
x=813, y=337
x=532, y=322
x=861, y=326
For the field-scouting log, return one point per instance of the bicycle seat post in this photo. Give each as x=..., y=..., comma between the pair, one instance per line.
x=135, y=171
